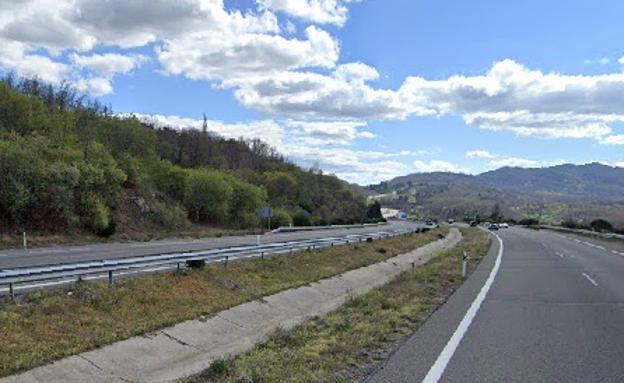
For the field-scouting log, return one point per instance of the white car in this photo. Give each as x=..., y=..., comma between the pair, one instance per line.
x=503, y=226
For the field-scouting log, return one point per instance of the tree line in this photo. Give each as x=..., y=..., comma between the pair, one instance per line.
x=67, y=162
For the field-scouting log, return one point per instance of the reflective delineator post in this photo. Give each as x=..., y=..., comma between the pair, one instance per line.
x=24, y=241
x=464, y=264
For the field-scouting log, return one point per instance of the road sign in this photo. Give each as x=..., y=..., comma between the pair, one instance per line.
x=266, y=212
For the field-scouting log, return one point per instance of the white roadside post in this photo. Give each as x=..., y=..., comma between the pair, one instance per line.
x=464, y=264
x=24, y=243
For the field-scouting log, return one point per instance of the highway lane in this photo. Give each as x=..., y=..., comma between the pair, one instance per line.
x=63, y=254
x=554, y=313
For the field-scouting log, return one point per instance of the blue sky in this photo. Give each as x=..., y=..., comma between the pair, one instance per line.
x=366, y=89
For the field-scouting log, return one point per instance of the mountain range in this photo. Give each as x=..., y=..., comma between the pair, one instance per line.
x=556, y=193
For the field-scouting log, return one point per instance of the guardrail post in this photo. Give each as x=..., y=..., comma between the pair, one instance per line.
x=225, y=263
x=178, y=265
x=292, y=250
x=262, y=255
x=110, y=277
x=11, y=292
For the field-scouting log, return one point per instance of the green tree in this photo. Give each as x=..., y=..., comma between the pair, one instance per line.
x=207, y=196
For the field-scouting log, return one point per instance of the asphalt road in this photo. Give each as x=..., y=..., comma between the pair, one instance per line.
x=554, y=313
x=64, y=254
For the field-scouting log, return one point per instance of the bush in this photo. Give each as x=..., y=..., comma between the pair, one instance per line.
x=528, y=222
x=601, y=225
x=280, y=218
x=170, y=216
x=301, y=218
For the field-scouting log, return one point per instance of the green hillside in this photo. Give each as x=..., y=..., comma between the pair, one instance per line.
x=69, y=165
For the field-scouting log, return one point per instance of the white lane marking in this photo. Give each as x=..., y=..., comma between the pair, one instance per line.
x=600, y=247
x=543, y=244
x=436, y=371
x=615, y=252
x=590, y=279
x=559, y=254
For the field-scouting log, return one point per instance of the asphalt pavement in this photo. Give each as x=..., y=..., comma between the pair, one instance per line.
x=100, y=251
x=554, y=312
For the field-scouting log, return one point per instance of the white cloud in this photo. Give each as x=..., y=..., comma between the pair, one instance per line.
x=316, y=11
x=604, y=60
x=199, y=39
x=615, y=139
x=514, y=162
x=97, y=86
x=480, y=154
x=267, y=130
x=109, y=64
x=328, y=132
x=437, y=166
x=239, y=56
x=508, y=97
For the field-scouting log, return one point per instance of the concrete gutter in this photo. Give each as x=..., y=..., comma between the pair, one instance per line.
x=190, y=347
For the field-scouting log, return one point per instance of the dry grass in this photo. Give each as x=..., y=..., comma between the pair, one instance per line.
x=48, y=325
x=343, y=346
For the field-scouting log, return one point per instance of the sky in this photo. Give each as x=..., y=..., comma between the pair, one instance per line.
x=364, y=89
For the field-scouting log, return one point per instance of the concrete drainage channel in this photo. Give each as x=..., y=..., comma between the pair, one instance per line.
x=190, y=347
x=30, y=278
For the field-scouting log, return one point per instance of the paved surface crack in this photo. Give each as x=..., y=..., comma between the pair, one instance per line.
x=90, y=362
x=173, y=338
x=231, y=321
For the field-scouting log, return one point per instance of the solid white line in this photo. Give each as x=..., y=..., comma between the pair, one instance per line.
x=590, y=279
x=436, y=371
x=600, y=247
x=615, y=252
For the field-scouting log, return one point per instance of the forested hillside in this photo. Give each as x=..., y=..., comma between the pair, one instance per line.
x=567, y=193
x=68, y=165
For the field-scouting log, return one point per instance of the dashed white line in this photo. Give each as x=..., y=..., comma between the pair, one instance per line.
x=589, y=279
x=436, y=371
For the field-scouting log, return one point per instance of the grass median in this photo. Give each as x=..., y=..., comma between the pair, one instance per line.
x=48, y=325
x=342, y=346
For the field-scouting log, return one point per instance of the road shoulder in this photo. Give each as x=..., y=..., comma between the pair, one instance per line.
x=411, y=360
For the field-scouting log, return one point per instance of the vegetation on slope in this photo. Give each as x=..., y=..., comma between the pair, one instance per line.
x=69, y=165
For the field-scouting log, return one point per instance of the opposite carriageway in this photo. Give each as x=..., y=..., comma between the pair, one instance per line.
x=30, y=278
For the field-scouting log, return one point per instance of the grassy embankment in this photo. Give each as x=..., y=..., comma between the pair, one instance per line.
x=341, y=346
x=48, y=325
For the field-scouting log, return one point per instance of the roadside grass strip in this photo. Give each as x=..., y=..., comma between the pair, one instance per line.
x=48, y=325
x=346, y=344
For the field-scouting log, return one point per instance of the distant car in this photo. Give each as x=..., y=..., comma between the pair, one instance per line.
x=503, y=226
x=473, y=223
x=493, y=226
x=451, y=221
x=428, y=222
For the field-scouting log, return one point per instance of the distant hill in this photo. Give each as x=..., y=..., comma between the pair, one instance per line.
x=576, y=192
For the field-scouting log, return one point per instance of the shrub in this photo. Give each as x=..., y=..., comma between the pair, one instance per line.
x=301, y=218
x=280, y=218
x=601, y=225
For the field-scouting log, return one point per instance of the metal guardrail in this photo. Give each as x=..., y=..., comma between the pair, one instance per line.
x=56, y=274
x=285, y=229
x=583, y=231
